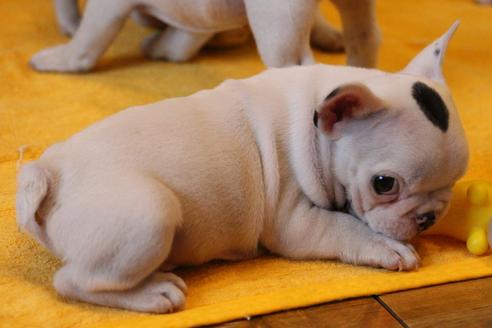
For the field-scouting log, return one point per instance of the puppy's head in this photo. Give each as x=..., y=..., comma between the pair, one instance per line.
x=399, y=145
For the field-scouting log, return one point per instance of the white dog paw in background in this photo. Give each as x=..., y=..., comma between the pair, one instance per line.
x=174, y=44
x=61, y=58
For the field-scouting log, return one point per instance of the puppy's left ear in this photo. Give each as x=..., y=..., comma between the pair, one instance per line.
x=428, y=63
x=348, y=102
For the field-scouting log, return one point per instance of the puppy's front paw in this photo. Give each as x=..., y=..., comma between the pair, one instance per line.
x=390, y=254
x=60, y=59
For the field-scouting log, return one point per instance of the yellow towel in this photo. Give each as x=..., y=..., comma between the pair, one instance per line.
x=37, y=110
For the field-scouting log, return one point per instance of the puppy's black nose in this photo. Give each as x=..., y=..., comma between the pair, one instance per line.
x=426, y=220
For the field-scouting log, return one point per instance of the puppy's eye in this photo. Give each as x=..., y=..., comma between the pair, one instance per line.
x=384, y=185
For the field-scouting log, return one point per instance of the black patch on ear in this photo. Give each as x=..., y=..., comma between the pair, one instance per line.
x=437, y=52
x=432, y=105
x=332, y=94
x=315, y=118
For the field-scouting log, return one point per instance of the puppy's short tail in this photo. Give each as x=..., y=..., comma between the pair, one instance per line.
x=32, y=188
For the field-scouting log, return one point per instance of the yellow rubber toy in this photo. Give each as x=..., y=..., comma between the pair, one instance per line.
x=469, y=217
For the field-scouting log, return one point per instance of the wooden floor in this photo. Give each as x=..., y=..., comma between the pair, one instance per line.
x=462, y=304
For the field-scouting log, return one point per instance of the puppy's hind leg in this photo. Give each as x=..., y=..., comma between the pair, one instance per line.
x=160, y=292
x=113, y=237
x=101, y=22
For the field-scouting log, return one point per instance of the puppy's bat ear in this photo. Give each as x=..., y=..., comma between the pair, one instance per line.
x=351, y=101
x=428, y=63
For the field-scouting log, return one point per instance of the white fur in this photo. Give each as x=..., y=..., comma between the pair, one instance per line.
x=429, y=62
x=281, y=29
x=225, y=173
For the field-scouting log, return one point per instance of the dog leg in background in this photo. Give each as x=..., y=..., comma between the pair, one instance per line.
x=174, y=44
x=324, y=36
x=360, y=31
x=113, y=236
x=68, y=16
x=336, y=235
x=282, y=30
x=99, y=26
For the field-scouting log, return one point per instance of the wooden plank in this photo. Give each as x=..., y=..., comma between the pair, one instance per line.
x=361, y=312
x=462, y=304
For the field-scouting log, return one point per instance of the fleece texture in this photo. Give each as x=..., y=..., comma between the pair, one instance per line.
x=37, y=110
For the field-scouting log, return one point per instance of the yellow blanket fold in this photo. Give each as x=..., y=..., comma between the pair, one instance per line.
x=37, y=110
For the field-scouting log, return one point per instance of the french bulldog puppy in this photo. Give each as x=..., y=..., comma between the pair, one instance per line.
x=281, y=28
x=307, y=162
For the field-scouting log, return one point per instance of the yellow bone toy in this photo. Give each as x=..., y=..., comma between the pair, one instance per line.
x=469, y=217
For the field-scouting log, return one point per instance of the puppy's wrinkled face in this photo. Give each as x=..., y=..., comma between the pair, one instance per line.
x=399, y=162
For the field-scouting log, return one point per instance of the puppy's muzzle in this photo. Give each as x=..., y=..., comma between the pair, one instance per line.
x=426, y=220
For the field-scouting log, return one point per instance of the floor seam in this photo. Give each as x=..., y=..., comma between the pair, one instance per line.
x=391, y=312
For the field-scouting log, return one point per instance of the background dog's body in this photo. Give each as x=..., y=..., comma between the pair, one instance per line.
x=282, y=30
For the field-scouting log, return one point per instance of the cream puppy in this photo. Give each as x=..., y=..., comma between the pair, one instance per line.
x=308, y=162
x=282, y=30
